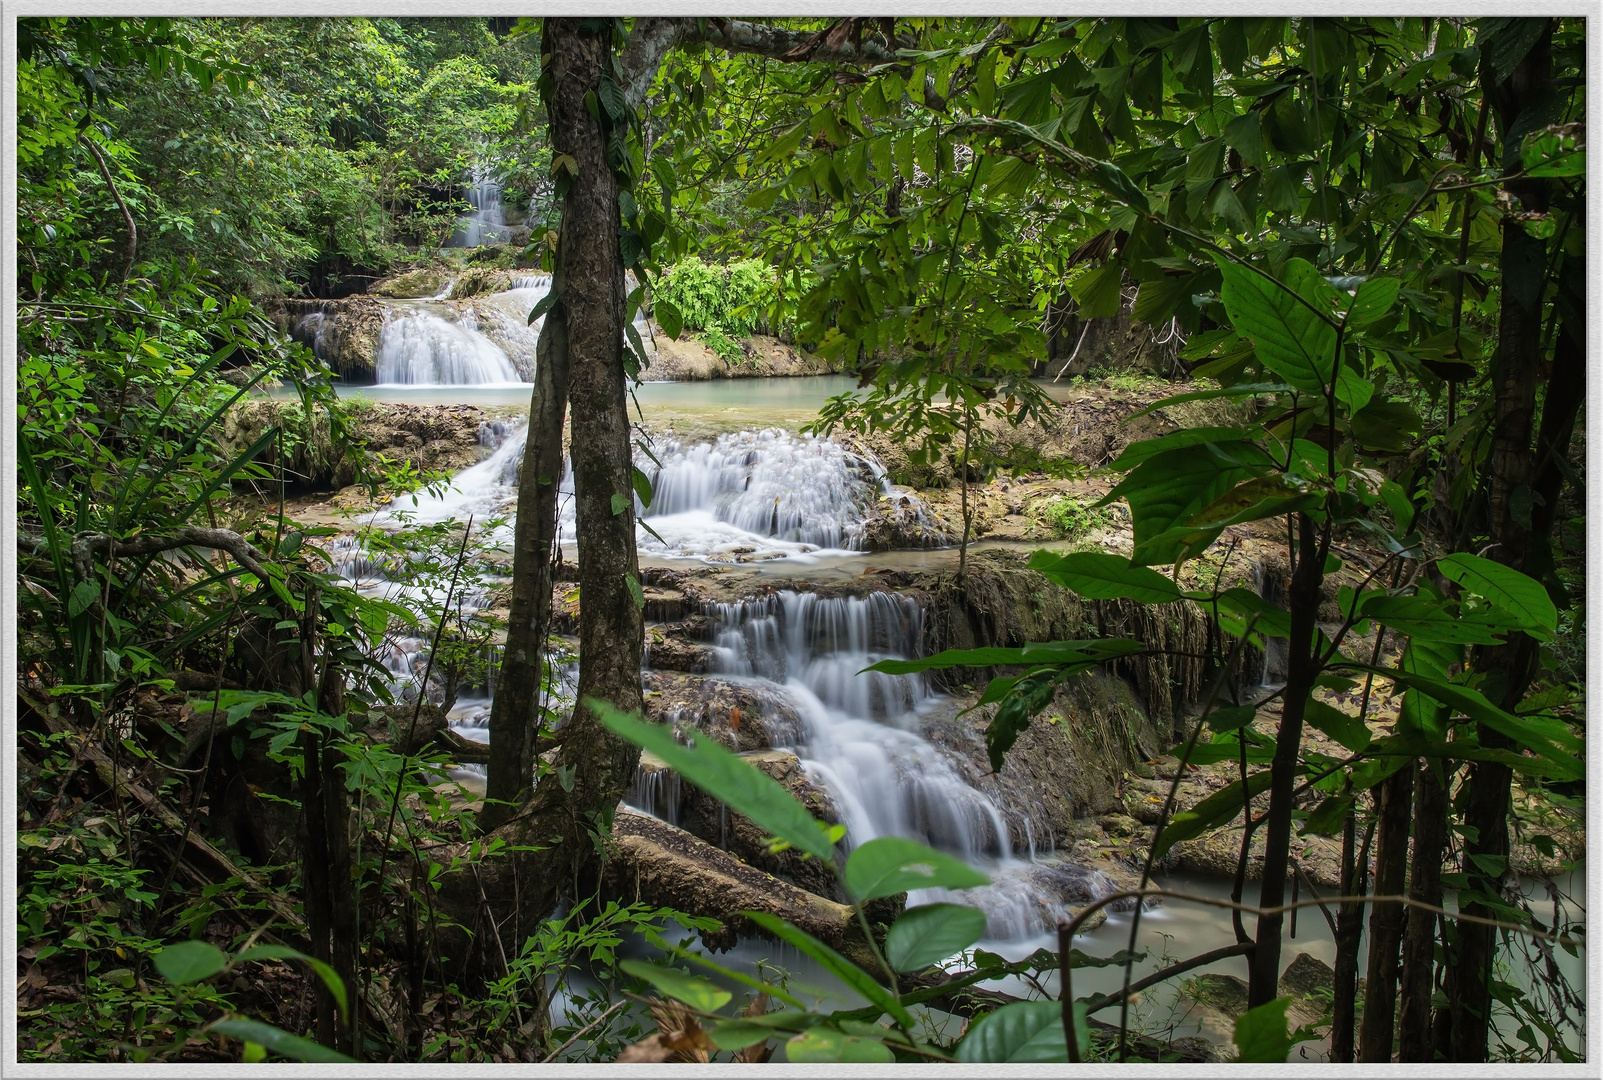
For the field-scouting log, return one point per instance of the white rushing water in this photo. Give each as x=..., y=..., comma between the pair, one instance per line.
x=860, y=739
x=418, y=347
x=483, y=223
x=751, y=496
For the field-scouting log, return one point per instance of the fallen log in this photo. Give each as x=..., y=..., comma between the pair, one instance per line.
x=653, y=861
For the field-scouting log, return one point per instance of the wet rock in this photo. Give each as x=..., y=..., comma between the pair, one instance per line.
x=688, y=359
x=742, y=716
x=424, y=282
x=670, y=652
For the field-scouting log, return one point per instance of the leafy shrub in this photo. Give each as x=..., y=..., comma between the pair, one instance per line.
x=727, y=348
x=1069, y=517
x=728, y=299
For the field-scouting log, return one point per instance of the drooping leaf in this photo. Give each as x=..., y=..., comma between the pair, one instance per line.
x=668, y=317
x=1136, y=453
x=1210, y=813
x=842, y=968
x=1096, y=575
x=1023, y=1032
x=693, y=990
x=1349, y=731
x=1027, y=697
x=930, y=933
x=1167, y=490
x=326, y=972
x=1092, y=650
x=1428, y=617
x=720, y=773
x=281, y=1042
x=892, y=864
x=1328, y=817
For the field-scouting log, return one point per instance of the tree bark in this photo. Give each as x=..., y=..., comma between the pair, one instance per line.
x=1301, y=670
x=515, y=711
x=1508, y=667
x=1349, y=934
x=1419, y=945
x=1386, y=920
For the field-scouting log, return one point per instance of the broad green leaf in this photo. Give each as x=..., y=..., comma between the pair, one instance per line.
x=1550, y=739
x=547, y=302
x=930, y=933
x=281, y=1042
x=1023, y=700
x=693, y=990
x=1386, y=425
x=1099, y=576
x=1262, y=1033
x=1349, y=731
x=1428, y=617
x=190, y=961
x=1018, y=1033
x=893, y=864
x=721, y=774
x=842, y=968
x=827, y=1044
x=668, y=317
x=1519, y=597
x=1271, y=620
x=1212, y=812
x=1168, y=489
x=1291, y=340
x=1097, y=291
x=1328, y=817
x=1374, y=299
x=739, y=1034
x=642, y=485
x=1232, y=717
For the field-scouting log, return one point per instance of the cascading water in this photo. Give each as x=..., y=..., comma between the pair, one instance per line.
x=418, y=347
x=859, y=738
x=483, y=224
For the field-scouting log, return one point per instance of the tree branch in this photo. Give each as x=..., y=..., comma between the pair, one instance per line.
x=220, y=539
x=133, y=230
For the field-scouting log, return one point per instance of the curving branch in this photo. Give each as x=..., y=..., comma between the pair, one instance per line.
x=127, y=216
x=244, y=553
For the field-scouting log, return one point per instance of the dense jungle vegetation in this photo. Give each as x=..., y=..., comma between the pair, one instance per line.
x=1368, y=233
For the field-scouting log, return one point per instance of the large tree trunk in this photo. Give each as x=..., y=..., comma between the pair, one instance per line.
x=514, y=714
x=1301, y=669
x=1386, y=920
x=573, y=802
x=1508, y=667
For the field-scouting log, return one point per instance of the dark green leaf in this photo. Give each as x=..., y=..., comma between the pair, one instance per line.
x=1232, y=717
x=1212, y=812
x=1092, y=650
x=326, y=972
x=1018, y=1033
x=1136, y=453
x=1329, y=817
x=1519, y=597
x=668, y=317
x=1429, y=617
x=1262, y=1033
x=1291, y=340
x=1265, y=496
x=190, y=962
x=546, y=303
x=1349, y=731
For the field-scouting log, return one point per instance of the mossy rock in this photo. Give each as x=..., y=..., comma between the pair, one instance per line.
x=422, y=283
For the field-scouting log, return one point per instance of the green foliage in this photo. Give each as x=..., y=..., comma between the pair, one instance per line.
x=722, y=303
x=1070, y=518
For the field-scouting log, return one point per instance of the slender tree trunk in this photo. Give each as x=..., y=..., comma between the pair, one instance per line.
x=1386, y=920
x=1349, y=934
x=514, y=714
x=1301, y=670
x=1508, y=668
x=1419, y=946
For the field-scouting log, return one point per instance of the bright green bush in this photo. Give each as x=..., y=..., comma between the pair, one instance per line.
x=731, y=300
